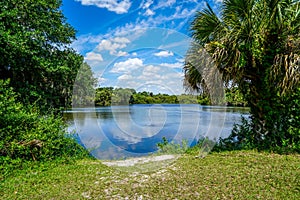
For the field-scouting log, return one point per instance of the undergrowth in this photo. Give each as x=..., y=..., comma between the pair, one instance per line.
x=29, y=138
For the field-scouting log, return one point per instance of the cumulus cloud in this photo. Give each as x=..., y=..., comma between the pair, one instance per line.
x=91, y=56
x=113, y=46
x=172, y=65
x=122, y=53
x=116, y=6
x=93, y=59
x=134, y=73
x=164, y=54
x=134, y=33
x=127, y=66
x=150, y=72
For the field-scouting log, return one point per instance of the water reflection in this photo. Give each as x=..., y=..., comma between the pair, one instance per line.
x=126, y=131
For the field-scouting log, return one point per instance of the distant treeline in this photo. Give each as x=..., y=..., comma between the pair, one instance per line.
x=107, y=96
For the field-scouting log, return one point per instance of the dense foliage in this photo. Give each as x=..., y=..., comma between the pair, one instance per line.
x=38, y=69
x=35, y=52
x=286, y=130
x=28, y=136
x=108, y=96
x=255, y=45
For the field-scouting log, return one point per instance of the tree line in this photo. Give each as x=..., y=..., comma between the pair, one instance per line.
x=107, y=96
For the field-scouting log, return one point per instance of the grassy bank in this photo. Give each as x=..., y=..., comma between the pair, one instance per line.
x=226, y=175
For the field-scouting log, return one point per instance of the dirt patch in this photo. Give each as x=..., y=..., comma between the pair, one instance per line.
x=141, y=160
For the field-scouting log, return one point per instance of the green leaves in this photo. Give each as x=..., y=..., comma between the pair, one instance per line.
x=27, y=135
x=256, y=45
x=35, y=52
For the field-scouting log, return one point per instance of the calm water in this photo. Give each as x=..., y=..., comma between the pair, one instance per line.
x=127, y=131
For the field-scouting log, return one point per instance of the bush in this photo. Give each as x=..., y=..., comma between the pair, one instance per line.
x=28, y=136
x=166, y=147
x=283, y=134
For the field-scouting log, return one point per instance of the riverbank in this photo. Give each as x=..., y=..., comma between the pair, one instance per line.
x=226, y=175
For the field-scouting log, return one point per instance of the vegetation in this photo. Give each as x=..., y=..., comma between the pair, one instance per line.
x=107, y=96
x=37, y=73
x=226, y=175
x=35, y=52
x=254, y=45
x=166, y=147
x=286, y=138
x=28, y=136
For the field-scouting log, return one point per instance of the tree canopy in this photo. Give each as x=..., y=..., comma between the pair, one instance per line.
x=256, y=45
x=35, y=51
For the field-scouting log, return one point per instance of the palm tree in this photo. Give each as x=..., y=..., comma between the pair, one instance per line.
x=252, y=43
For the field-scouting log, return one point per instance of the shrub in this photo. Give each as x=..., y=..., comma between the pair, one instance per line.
x=282, y=137
x=166, y=147
x=28, y=136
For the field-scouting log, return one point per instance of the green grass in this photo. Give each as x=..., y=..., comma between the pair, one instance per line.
x=226, y=175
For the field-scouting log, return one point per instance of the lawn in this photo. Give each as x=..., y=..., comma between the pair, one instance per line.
x=226, y=175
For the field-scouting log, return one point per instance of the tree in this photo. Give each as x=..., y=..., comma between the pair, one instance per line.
x=84, y=87
x=35, y=51
x=103, y=96
x=256, y=45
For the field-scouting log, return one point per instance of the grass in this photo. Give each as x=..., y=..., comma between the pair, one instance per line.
x=226, y=175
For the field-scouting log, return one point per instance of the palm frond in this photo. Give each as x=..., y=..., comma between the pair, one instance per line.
x=206, y=26
x=202, y=74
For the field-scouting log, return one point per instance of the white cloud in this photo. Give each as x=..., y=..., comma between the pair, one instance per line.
x=127, y=66
x=181, y=60
x=150, y=72
x=146, y=4
x=125, y=77
x=134, y=34
x=172, y=65
x=122, y=40
x=151, y=68
x=113, y=45
x=135, y=74
x=122, y=53
x=164, y=54
x=93, y=59
x=164, y=3
x=101, y=80
x=116, y=6
x=149, y=12
x=91, y=56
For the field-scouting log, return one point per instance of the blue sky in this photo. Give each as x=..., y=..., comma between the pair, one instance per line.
x=135, y=44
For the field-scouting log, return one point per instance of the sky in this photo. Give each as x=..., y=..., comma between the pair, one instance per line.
x=135, y=44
